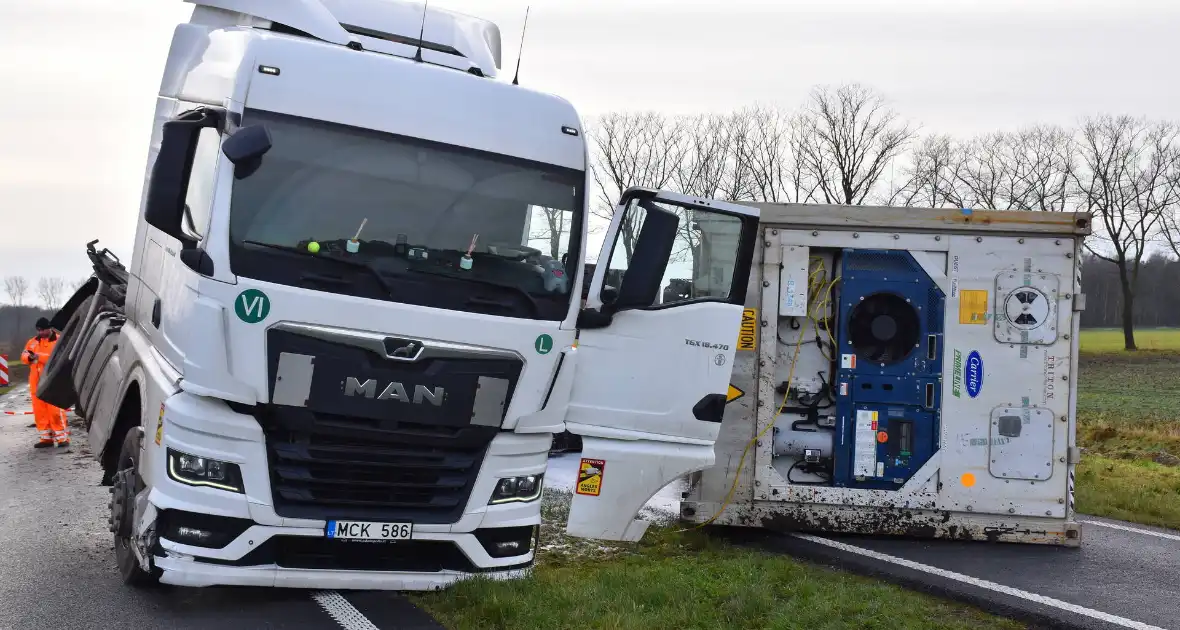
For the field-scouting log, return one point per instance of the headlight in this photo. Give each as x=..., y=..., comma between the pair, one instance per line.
x=202, y=471
x=517, y=489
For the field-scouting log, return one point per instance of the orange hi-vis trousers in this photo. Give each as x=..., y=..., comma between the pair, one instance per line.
x=51, y=421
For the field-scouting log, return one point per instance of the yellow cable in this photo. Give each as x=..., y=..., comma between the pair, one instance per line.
x=790, y=376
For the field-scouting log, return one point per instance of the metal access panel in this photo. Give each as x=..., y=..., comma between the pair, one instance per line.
x=890, y=327
x=1021, y=443
x=1026, y=310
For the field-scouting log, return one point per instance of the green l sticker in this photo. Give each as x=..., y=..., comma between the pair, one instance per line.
x=543, y=344
x=252, y=306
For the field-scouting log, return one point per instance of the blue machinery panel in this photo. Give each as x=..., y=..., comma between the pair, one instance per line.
x=889, y=377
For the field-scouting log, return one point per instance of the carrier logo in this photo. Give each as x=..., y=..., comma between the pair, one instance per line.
x=394, y=391
x=973, y=373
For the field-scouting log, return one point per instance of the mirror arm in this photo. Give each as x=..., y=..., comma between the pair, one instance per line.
x=590, y=319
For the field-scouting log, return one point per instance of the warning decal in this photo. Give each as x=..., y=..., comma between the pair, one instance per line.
x=590, y=476
x=848, y=361
x=733, y=394
x=972, y=306
x=160, y=425
x=748, y=335
x=864, y=448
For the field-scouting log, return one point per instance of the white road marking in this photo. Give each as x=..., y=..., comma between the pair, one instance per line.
x=991, y=586
x=1136, y=530
x=342, y=611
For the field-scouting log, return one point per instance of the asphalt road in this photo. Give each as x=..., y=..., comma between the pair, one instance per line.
x=57, y=567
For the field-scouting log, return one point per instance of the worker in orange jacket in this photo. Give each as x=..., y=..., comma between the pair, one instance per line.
x=51, y=421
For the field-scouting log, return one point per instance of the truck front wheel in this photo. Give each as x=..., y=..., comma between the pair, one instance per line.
x=128, y=484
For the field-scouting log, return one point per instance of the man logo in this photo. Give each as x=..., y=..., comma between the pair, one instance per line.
x=394, y=391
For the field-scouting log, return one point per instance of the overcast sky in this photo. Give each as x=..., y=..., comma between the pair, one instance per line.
x=78, y=80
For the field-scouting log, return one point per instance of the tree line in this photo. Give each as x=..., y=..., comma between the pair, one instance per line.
x=847, y=145
x=27, y=301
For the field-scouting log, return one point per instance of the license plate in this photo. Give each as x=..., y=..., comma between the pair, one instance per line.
x=361, y=530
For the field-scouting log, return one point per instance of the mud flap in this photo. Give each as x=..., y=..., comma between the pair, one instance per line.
x=616, y=478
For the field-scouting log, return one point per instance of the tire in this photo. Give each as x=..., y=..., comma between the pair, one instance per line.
x=128, y=483
x=56, y=386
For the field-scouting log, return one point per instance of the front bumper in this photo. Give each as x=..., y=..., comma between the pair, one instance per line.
x=261, y=548
x=181, y=571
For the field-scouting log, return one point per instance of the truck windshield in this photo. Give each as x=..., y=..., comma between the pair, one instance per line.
x=426, y=224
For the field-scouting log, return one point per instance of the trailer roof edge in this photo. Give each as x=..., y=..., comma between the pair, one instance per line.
x=943, y=220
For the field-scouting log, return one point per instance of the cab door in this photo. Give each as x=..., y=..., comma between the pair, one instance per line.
x=655, y=352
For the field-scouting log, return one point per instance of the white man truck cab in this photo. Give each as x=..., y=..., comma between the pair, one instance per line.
x=347, y=335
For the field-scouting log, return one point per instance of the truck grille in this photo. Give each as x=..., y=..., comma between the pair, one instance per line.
x=340, y=467
x=343, y=456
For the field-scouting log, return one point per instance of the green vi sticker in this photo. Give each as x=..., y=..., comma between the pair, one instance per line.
x=543, y=344
x=252, y=306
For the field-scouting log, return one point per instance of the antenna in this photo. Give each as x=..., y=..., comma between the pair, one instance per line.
x=516, y=76
x=421, y=32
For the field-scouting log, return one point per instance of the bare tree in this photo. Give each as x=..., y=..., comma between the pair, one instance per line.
x=1043, y=157
x=986, y=171
x=848, y=140
x=16, y=287
x=770, y=159
x=49, y=290
x=78, y=283
x=932, y=178
x=1126, y=176
x=633, y=149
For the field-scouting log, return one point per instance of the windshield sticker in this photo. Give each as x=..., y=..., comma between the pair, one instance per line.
x=543, y=344
x=252, y=306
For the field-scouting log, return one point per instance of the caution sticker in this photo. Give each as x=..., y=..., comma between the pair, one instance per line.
x=973, y=306
x=160, y=425
x=848, y=361
x=590, y=476
x=733, y=394
x=748, y=335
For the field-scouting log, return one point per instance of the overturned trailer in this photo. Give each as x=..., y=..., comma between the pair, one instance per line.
x=904, y=372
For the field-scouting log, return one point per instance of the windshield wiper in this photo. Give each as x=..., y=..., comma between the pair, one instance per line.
x=344, y=261
x=482, y=301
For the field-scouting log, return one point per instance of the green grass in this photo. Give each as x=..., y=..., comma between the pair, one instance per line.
x=1129, y=426
x=681, y=580
x=1110, y=340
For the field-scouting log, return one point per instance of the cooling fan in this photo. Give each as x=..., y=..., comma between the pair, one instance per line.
x=883, y=328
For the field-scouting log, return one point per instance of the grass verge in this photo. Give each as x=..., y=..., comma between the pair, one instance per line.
x=1129, y=426
x=18, y=373
x=681, y=580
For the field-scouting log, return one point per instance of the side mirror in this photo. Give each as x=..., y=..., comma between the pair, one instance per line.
x=640, y=285
x=245, y=148
x=164, y=208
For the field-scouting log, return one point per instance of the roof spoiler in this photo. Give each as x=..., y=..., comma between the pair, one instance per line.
x=309, y=16
x=337, y=22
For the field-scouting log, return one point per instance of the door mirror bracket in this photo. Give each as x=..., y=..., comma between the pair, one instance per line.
x=591, y=319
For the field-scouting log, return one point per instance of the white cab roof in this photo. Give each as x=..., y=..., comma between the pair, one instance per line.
x=388, y=26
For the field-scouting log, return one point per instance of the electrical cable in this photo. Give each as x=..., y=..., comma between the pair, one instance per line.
x=790, y=375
